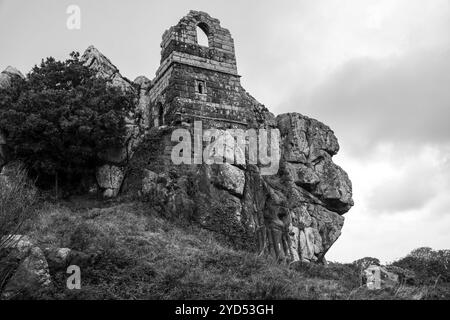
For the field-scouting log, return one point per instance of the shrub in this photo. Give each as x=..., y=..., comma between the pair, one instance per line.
x=17, y=207
x=366, y=262
x=428, y=265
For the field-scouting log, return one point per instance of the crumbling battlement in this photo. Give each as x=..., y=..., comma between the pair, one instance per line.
x=196, y=82
x=181, y=41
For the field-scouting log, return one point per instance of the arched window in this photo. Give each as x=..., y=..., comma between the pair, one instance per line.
x=200, y=87
x=202, y=34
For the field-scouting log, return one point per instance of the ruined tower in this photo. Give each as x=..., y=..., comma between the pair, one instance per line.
x=199, y=82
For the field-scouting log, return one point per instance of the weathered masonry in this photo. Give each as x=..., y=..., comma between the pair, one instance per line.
x=199, y=82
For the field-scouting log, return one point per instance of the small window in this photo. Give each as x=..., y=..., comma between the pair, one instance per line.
x=200, y=87
x=159, y=115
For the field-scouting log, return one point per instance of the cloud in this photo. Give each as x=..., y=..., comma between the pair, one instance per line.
x=411, y=190
x=390, y=182
x=404, y=100
x=388, y=238
x=401, y=203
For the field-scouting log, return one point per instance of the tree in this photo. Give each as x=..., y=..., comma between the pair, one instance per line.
x=61, y=117
x=429, y=265
x=425, y=253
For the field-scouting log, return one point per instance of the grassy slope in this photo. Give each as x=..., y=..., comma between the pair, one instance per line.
x=140, y=256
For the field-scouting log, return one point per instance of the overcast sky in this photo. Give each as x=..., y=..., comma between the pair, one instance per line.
x=377, y=72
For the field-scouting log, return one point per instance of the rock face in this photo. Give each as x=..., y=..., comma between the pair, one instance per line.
x=95, y=60
x=293, y=215
x=308, y=149
x=305, y=200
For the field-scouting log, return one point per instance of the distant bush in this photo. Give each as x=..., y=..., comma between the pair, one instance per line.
x=366, y=262
x=429, y=265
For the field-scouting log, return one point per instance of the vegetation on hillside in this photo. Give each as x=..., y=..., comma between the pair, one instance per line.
x=430, y=266
x=60, y=118
x=131, y=253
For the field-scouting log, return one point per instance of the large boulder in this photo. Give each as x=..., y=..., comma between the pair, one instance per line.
x=308, y=147
x=229, y=177
x=95, y=60
x=28, y=266
x=299, y=212
x=109, y=179
x=7, y=75
x=295, y=214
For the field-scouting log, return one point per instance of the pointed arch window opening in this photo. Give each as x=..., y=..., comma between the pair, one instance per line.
x=202, y=34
